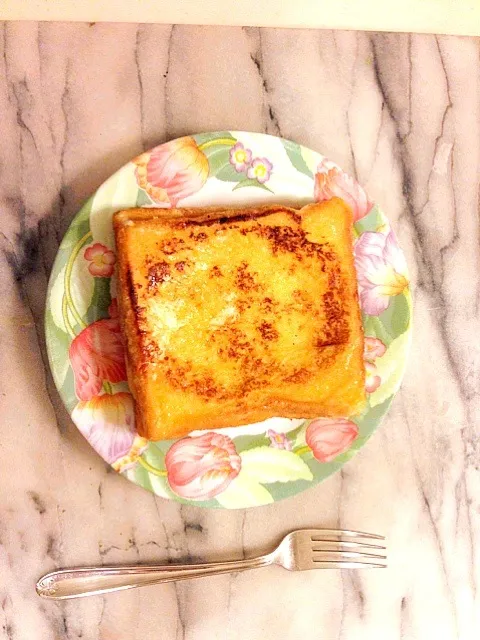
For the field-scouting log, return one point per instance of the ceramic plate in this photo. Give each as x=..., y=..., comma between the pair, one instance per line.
x=245, y=466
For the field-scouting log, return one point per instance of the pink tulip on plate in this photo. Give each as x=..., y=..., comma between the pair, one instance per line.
x=201, y=467
x=172, y=171
x=329, y=437
x=331, y=182
x=97, y=354
x=108, y=423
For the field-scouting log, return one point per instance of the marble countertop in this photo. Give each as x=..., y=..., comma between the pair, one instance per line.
x=402, y=114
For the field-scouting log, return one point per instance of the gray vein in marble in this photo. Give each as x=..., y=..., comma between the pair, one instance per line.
x=273, y=125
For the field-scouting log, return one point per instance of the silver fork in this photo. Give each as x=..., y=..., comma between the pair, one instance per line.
x=298, y=551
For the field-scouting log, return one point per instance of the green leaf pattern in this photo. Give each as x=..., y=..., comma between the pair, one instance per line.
x=266, y=465
x=244, y=492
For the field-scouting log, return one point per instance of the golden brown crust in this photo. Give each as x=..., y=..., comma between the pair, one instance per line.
x=198, y=214
x=233, y=316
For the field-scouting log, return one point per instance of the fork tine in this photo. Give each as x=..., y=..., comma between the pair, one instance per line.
x=350, y=554
x=345, y=545
x=315, y=533
x=335, y=564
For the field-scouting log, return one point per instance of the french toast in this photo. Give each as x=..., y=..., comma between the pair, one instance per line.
x=234, y=316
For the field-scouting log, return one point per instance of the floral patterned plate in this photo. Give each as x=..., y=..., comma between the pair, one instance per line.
x=231, y=468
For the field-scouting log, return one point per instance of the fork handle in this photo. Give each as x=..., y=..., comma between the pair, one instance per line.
x=77, y=583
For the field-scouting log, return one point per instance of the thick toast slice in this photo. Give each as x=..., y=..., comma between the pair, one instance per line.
x=234, y=316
